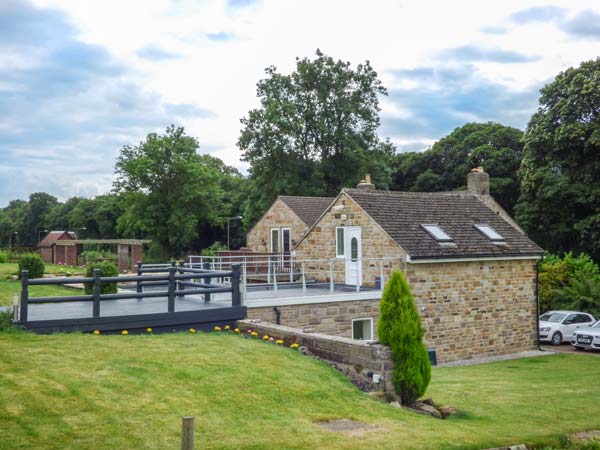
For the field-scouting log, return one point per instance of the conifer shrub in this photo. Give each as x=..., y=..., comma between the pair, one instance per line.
x=33, y=263
x=107, y=269
x=400, y=327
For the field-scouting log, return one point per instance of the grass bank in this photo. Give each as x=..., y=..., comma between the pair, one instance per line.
x=8, y=286
x=105, y=392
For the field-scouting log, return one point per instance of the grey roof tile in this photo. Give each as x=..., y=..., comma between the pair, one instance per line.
x=308, y=209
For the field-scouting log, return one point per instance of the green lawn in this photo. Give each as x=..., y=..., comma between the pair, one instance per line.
x=73, y=391
x=9, y=287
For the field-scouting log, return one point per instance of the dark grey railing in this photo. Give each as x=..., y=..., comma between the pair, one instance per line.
x=180, y=281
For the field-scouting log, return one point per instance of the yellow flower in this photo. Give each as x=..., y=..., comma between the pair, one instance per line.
x=279, y=342
x=96, y=331
x=124, y=332
x=227, y=327
x=254, y=333
x=265, y=337
x=192, y=330
x=148, y=330
x=217, y=328
x=294, y=345
x=236, y=330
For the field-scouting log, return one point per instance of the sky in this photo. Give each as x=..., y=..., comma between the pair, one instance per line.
x=79, y=79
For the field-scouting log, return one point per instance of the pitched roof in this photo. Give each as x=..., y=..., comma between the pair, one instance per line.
x=401, y=215
x=54, y=236
x=308, y=209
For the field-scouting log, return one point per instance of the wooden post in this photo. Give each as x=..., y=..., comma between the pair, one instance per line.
x=24, y=295
x=96, y=292
x=139, y=272
x=235, y=285
x=187, y=433
x=181, y=287
x=171, y=295
x=15, y=307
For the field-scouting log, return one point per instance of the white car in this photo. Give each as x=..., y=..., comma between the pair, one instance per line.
x=587, y=337
x=558, y=326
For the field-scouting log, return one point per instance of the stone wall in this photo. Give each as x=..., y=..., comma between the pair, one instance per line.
x=320, y=244
x=358, y=360
x=469, y=309
x=476, y=309
x=279, y=215
x=333, y=318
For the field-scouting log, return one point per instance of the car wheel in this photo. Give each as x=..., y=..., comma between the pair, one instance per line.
x=557, y=338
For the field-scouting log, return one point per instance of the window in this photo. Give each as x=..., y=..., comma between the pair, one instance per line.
x=339, y=242
x=362, y=329
x=436, y=232
x=286, y=241
x=354, y=249
x=274, y=240
x=489, y=232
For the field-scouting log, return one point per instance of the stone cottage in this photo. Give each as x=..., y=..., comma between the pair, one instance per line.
x=284, y=224
x=471, y=268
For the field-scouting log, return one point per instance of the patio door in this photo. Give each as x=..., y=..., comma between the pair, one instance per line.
x=353, y=253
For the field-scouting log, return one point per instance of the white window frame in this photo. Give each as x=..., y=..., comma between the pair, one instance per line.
x=343, y=254
x=427, y=226
x=481, y=227
x=370, y=319
x=271, y=250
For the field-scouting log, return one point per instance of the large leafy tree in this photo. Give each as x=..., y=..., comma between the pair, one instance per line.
x=559, y=204
x=315, y=131
x=444, y=167
x=168, y=190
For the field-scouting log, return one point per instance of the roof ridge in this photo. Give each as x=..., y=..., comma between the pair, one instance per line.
x=462, y=193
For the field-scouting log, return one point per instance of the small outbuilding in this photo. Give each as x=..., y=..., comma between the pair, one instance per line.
x=49, y=251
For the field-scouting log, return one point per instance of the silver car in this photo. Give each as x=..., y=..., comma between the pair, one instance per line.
x=587, y=337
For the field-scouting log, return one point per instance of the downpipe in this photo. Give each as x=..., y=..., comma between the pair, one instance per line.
x=277, y=315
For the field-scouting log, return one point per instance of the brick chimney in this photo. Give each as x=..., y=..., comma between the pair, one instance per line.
x=478, y=182
x=366, y=184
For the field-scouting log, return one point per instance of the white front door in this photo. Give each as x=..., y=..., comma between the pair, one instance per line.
x=353, y=254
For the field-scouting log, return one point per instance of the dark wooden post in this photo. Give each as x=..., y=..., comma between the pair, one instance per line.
x=139, y=272
x=96, y=292
x=187, y=433
x=235, y=285
x=171, y=301
x=24, y=294
x=180, y=286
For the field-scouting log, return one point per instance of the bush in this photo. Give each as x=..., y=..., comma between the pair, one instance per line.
x=213, y=249
x=91, y=256
x=3, y=257
x=400, y=327
x=34, y=264
x=107, y=269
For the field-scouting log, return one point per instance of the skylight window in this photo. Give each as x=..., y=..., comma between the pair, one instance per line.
x=489, y=232
x=436, y=232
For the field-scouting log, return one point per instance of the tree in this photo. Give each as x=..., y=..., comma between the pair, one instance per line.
x=168, y=190
x=315, y=131
x=400, y=327
x=445, y=165
x=559, y=205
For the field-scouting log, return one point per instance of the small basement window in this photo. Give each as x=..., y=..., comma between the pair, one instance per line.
x=489, y=232
x=362, y=329
x=436, y=232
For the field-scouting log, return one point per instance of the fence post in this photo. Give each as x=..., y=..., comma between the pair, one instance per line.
x=291, y=264
x=180, y=286
x=15, y=307
x=171, y=295
x=235, y=285
x=96, y=292
x=139, y=272
x=331, y=285
x=275, y=277
x=187, y=433
x=244, y=283
x=303, y=280
x=269, y=270
x=24, y=295
x=381, y=280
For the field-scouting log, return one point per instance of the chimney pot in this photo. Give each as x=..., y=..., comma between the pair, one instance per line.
x=478, y=182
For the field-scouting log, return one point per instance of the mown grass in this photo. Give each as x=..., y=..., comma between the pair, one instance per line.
x=73, y=391
x=8, y=286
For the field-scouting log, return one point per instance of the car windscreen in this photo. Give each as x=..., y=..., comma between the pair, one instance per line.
x=596, y=325
x=552, y=317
